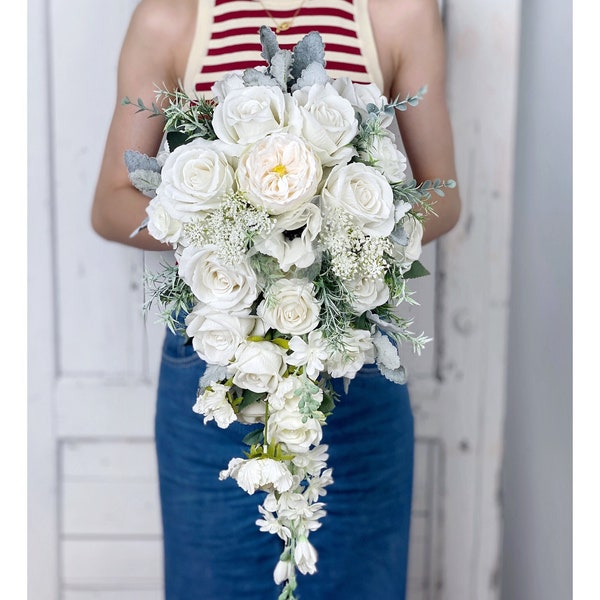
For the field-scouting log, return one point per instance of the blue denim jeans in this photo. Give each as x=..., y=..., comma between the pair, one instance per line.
x=213, y=549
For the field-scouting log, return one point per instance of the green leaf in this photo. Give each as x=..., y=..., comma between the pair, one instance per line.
x=251, y=397
x=254, y=437
x=176, y=139
x=416, y=270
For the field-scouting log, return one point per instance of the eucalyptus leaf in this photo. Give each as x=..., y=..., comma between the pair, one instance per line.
x=254, y=437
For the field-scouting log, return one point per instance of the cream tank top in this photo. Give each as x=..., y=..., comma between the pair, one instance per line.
x=226, y=38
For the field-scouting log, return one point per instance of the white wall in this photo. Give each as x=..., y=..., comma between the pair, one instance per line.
x=537, y=469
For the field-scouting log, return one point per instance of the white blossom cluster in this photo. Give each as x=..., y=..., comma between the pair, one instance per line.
x=285, y=226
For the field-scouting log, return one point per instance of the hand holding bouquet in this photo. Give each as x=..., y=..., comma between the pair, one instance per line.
x=295, y=235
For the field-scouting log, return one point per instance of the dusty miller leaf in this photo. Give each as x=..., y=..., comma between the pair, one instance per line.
x=145, y=181
x=136, y=161
x=253, y=77
x=308, y=50
x=269, y=43
x=314, y=74
x=280, y=68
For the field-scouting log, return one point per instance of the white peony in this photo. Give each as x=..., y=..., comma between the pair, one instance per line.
x=258, y=366
x=195, y=177
x=213, y=404
x=290, y=306
x=279, y=173
x=248, y=114
x=258, y=474
x=365, y=194
x=406, y=255
x=386, y=158
x=225, y=288
x=292, y=241
x=367, y=293
x=216, y=335
x=328, y=123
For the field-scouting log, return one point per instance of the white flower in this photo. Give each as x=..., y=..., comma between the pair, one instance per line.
x=216, y=334
x=313, y=461
x=258, y=366
x=367, y=292
x=288, y=426
x=386, y=158
x=195, y=177
x=161, y=225
x=328, y=123
x=271, y=524
x=231, y=83
x=310, y=354
x=284, y=570
x=290, y=307
x=406, y=255
x=258, y=473
x=360, y=95
x=248, y=114
x=292, y=239
x=365, y=194
x=224, y=287
x=213, y=404
x=305, y=556
x=358, y=350
x=316, y=485
x=252, y=413
x=279, y=173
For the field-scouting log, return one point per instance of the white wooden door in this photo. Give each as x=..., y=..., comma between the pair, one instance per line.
x=94, y=530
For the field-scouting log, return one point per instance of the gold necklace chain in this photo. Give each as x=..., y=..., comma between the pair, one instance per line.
x=287, y=23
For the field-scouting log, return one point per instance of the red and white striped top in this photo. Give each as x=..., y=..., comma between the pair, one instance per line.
x=227, y=38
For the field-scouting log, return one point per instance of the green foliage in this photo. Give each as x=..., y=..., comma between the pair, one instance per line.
x=173, y=296
x=417, y=269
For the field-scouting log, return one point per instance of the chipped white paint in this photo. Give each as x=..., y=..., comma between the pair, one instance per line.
x=94, y=516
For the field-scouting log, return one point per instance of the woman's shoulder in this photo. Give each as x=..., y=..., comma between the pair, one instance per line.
x=404, y=14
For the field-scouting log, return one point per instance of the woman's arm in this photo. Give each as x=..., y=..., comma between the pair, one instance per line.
x=147, y=61
x=410, y=33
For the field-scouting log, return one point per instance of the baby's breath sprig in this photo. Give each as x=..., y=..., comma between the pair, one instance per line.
x=173, y=296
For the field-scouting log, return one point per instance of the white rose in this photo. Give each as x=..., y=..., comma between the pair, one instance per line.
x=360, y=95
x=258, y=366
x=406, y=255
x=279, y=173
x=365, y=194
x=195, y=177
x=386, y=158
x=292, y=239
x=231, y=83
x=248, y=114
x=291, y=307
x=216, y=335
x=367, y=293
x=328, y=123
x=213, y=404
x=358, y=351
x=252, y=413
x=161, y=225
x=287, y=425
x=225, y=288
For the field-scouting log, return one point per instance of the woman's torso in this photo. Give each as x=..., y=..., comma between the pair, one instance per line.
x=222, y=35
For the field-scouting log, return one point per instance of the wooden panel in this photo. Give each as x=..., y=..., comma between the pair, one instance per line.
x=119, y=480
x=98, y=283
x=138, y=594
x=112, y=564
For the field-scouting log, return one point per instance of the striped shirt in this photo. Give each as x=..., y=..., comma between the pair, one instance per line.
x=226, y=37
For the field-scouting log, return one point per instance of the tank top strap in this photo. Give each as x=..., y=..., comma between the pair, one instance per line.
x=226, y=38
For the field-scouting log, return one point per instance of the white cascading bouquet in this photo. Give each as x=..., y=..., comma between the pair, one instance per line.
x=295, y=233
